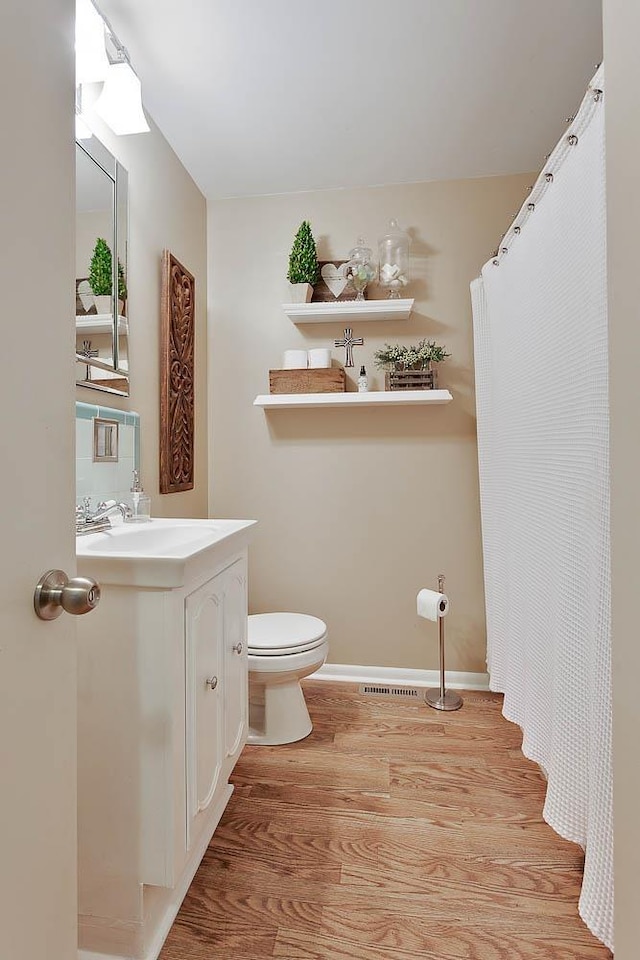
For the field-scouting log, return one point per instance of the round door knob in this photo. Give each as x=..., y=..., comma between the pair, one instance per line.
x=238, y=646
x=55, y=592
x=212, y=682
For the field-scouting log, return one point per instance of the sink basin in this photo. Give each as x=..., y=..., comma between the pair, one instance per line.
x=155, y=553
x=162, y=538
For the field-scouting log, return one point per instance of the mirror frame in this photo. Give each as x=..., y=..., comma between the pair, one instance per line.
x=96, y=151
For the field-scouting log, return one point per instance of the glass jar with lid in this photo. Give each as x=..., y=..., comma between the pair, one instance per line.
x=360, y=269
x=394, y=260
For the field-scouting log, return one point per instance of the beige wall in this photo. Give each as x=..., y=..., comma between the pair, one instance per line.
x=357, y=508
x=166, y=210
x=622, y=99
x=90, y=224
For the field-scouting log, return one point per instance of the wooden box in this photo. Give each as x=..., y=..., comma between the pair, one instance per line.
x=308, y=380
x=411, y=380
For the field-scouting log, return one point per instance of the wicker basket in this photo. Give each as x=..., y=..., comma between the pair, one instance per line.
x=412, y=379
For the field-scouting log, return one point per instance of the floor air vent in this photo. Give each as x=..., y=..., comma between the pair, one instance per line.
x=384, y=690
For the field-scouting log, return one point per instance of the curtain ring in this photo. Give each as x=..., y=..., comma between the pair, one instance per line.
x=531, y=207
x=572, y=140
x=548, y=177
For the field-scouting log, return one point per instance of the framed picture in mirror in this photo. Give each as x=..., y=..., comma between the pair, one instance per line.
x=105, y=440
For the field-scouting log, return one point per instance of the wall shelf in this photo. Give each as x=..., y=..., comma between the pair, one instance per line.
x=348, y=311
x=374, y=398
x=100, y=323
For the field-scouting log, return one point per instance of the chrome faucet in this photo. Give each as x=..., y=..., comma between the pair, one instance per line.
x=93, y=521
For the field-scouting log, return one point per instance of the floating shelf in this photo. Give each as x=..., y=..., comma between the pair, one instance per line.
x=348, y=311
x=100, y=323
x=374, y=398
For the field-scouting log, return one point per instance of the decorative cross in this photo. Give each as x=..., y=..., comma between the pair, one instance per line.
x=349, y=342
x=88, y=354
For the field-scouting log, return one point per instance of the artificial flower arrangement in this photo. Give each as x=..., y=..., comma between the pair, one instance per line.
x=417, y=357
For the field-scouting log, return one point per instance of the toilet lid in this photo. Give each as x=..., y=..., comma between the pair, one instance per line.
x=282, y=633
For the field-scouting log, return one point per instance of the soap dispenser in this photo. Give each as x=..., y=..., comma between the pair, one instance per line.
x=140, y=501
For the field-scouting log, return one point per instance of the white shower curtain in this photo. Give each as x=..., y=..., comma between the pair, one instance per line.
x=540, y=328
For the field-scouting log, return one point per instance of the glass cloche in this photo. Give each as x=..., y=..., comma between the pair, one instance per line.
x=360, y=269
x=394, y=260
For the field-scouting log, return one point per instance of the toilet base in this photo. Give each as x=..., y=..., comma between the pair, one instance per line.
x=278, y=714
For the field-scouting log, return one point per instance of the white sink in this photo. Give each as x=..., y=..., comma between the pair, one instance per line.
x=156, y=553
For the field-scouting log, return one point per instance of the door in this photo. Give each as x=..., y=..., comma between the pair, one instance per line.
x=235, y=658
x=37, y=482
x=204, y=624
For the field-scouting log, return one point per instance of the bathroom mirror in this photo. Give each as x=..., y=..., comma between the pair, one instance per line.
x=102, y=321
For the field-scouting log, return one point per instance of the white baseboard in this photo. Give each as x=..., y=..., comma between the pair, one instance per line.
x=350, y=673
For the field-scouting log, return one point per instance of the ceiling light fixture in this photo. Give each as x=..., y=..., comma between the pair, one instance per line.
x=92, y=62
x=120, y=102
x=82, y=130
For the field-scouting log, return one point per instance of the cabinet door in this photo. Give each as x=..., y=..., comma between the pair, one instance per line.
x=204, y=624
x=235, y=658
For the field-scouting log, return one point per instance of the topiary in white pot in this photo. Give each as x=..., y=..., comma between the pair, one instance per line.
x=303, y=265
x=101, y=276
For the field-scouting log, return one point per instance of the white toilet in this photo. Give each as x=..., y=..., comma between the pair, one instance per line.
x=283, y=648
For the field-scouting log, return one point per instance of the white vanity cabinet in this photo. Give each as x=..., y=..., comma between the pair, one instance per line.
x=162, y=718
x=216, y=687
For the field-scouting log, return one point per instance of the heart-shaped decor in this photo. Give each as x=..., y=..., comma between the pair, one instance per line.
x=334, y=278
x=85, y=294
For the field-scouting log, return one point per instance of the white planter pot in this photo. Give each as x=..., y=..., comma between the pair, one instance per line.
x=103, y=305
x=301, y=292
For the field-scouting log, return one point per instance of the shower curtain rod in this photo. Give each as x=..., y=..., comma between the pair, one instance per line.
x=553, y=162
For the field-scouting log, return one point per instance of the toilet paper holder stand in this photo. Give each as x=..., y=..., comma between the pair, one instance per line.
x=439, y=698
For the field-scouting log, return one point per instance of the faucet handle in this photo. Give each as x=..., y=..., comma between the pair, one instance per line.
x=83, y=509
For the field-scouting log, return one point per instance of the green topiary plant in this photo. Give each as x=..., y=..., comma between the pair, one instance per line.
x=101, y=270
x=303, y=259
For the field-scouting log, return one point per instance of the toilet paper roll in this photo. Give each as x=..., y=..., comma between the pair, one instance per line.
x=294, y=360
x=320, y=357
x=432, y=605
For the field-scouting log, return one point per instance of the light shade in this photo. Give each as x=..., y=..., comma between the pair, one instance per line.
x=120, y=103
x=82, y=130
x=92, y=63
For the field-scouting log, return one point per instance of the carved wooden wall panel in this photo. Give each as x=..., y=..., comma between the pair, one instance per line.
x=177, y=398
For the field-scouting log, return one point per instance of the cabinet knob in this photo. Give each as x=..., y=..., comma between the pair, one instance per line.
x=212, y=682
x=238, y=646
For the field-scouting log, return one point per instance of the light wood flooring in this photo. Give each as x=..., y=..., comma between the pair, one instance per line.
x=393, y=832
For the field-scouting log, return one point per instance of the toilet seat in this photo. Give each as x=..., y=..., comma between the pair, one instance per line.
x=283, y=634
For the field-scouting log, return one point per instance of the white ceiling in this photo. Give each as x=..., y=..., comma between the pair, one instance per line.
x=273, y=96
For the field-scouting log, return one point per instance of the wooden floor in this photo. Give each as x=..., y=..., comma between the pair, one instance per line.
x=393, y=832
